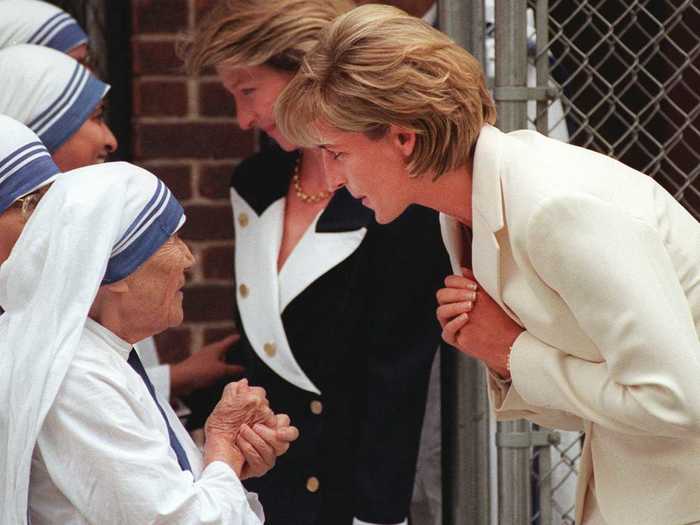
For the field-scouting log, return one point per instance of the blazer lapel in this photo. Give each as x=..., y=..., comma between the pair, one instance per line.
x=453, y=239
x=258, y=292
x=488, y=214
x=335, y=235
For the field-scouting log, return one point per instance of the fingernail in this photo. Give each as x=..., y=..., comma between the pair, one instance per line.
x=469, y=304
x=472, y=286
x=471, y=296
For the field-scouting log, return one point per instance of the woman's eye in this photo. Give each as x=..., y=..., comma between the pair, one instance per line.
x=336, y=156
x=248, y=91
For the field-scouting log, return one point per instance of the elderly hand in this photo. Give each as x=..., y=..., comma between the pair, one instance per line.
x=261, y=445
x=483, y=331
x=204, y=367
x=240, y=404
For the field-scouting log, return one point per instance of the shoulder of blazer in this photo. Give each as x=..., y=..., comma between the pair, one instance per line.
x=263, y=178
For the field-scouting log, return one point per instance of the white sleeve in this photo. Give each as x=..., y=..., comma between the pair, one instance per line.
x=109, y=457
x=613, y=272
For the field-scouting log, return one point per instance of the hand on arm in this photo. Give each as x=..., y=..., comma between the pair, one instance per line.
x=204, y=367
x=475, y=324
x=261, y=445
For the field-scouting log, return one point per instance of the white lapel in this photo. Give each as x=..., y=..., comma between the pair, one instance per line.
x=258, y=293
x=488, y=214
x=453, y=239
x=314, y=255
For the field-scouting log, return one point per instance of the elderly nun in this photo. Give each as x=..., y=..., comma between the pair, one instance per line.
x=42, y=24
x=26, y=169
x=85, y=438
x=63, y=103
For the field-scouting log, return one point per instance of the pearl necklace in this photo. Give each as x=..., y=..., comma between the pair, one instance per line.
x=303, y=196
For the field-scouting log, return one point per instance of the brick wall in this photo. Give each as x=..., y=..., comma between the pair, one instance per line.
x=184, y=132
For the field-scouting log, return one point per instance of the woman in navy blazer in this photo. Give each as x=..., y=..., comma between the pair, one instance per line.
x=337, y=313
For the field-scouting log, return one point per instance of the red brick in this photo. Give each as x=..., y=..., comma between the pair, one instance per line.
x=173, y=345
x=192, y=140
x=156, y=58
x=156, y=98
x=215, y=101
x=214, y=181
x=209, y=303
x=156, y=16
x=217, y=262
x=208, y=223
x=177, y=178
x=211, y=335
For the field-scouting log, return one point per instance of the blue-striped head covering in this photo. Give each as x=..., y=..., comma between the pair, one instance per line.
x=48, y=91
x=96, y=225
x=25, y=164
x=157, y=219
x=39, y=23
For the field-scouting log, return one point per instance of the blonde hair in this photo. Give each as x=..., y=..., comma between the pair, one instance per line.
x=376, y=66
x=276, y=33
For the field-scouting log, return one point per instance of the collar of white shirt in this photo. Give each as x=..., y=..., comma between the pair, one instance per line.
x=109, y=337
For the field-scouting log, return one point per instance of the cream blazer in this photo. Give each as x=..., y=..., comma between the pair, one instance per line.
x=601, y=266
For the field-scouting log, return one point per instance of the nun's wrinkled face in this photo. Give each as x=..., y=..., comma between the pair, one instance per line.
x=91, y=144
x=255, y=90
x=155, y=289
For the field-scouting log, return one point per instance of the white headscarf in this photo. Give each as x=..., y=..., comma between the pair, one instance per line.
x=25, y=165
x=48, y=91
x=95, y=225
x=40, y=23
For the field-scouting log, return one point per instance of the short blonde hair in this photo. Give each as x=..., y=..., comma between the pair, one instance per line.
x=277, y=33
x=376, y=66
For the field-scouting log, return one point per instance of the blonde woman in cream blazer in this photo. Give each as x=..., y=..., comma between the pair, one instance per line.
x=586, y=305
x=601, y=267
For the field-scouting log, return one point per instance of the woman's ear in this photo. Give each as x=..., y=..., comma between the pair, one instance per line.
x=403, y=139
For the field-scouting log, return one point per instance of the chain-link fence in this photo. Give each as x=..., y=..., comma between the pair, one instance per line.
x=620, y=77
x=628, y=74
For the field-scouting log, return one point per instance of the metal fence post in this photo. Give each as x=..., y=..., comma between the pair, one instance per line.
x=511, y=96
x=468, y=488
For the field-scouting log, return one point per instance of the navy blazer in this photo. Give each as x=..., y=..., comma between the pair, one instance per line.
x=342, y=340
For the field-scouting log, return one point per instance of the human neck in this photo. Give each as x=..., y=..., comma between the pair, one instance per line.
x=112, y=318
x=450, y=194
x=311, y=172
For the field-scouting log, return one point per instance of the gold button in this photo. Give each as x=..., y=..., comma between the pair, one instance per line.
x=270, y=349
x=316, y=407
x=312, y=484
x=243, y=290
x=243, y=219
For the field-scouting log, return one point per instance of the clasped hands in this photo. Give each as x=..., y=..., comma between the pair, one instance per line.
x=244, y=432
x=475, y=324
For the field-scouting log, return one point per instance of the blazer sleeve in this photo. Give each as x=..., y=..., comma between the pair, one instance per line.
x=508, y=405
x=408, y=263
x=614, y=273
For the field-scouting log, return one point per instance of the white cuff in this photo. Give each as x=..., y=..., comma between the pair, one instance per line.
x=355, y=521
